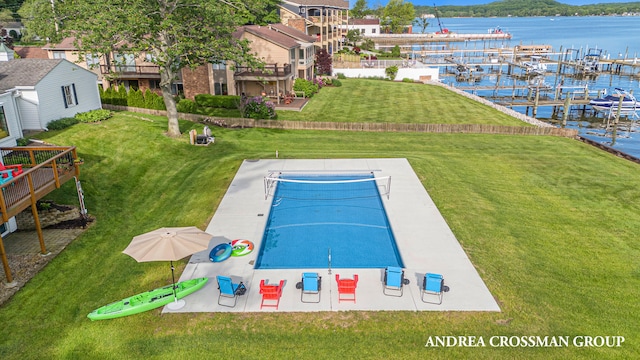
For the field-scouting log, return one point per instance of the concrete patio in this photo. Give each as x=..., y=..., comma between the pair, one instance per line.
x=423, y=237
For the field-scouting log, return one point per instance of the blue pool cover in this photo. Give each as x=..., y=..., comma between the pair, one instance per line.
x=308, y=221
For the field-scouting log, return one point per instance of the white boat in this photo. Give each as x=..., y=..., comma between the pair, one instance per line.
x=609, y=102
x=535, y=66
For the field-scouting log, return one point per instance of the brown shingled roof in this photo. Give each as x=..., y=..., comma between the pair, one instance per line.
x=269, y=34
x=293, y=32
x=30, y=52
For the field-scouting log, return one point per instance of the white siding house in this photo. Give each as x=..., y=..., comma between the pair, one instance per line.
x=48, y=89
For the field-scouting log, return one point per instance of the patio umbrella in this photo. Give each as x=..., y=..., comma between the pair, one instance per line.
x=168, y=244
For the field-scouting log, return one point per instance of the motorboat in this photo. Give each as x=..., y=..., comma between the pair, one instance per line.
x=629, y=102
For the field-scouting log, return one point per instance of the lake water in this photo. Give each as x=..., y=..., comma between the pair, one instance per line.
x=616, y=37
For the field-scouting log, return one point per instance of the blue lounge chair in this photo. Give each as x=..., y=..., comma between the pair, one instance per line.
x=393, y=281
x=433, y=284
x=229, y=290
x=310, y=287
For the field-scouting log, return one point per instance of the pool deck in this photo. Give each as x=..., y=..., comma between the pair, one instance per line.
x=423, y=237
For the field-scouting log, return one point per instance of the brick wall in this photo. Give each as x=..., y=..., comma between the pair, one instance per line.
x=196, y=81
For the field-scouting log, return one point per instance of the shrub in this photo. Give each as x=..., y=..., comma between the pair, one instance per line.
x=93, y=116
x=22, y=142
x=341, y=76
x=336, y=82
x=135, y=99
x=407, y=80
x=61, y=123
x=391, y=72
x=218, y=101
x=187, y=106
x=305, y=86
x=257, y=108
x=153, y=101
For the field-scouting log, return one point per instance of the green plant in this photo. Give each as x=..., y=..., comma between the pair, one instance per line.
x=391, y=72
x=306, y=86
x=62, y=123
x=407, y=80
x=93, y=116
x=187, y=106
x=258, y=108
x=336, y=82
x=341, y=76
x=135, y=99
x=22, y=142
x=218, y=101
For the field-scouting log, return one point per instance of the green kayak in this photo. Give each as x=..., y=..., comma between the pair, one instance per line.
x=147, y=301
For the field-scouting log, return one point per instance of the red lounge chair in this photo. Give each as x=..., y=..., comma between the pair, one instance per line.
x=347, y=288
x=271, y=293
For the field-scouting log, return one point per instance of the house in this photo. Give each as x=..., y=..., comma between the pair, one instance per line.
x=366, y=27
x=46, y=89
x=114, y=69
x=323, y=19
x=287, y=53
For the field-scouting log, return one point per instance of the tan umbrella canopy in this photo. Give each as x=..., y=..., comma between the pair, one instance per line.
x=168, y=244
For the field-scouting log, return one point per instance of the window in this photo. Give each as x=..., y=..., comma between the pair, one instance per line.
x=59, y=55
x=69, y=95
x=149, y=58
x=373, y=31
x=4, y=131
x=219, y=65
x=93, y=60
x=154, y=84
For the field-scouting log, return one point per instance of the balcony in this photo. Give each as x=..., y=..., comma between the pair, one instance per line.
x=44, y=169
x=131, y=71
x=270, y=72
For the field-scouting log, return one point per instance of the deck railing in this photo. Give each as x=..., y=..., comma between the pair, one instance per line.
x=44, y=169
x=270, y=70
x=131, y=70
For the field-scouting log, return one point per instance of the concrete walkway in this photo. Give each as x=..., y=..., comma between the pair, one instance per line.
x=424, y=240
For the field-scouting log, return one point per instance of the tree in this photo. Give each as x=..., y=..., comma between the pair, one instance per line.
x=359, y=10
x=398, y=15
x=353, y=37
x=422, y=23
x=323, y=62
x=176, y=33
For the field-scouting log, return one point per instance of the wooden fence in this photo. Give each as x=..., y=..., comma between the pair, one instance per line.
x=354, y=126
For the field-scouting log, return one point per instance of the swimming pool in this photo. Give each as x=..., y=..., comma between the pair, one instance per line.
x=309, y=221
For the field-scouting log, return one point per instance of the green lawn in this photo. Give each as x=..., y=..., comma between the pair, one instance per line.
x=375, y=101
x=550, y=223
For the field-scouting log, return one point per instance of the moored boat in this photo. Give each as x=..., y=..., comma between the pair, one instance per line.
x=629, y=102
x=147, y=301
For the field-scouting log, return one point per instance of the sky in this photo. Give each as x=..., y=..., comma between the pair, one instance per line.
x=375, y=3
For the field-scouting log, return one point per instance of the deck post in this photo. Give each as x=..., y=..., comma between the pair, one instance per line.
x=36, y=219
x=5, y=262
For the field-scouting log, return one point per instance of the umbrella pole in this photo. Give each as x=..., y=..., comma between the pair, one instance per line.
x=173, y=279
x=176, y=304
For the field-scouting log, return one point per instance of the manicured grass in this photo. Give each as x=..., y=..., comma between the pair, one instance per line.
x=550, y=224
x=375, y=101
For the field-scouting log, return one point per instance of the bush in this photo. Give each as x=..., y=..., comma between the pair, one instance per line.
x=93, y=116
x=341, y=76
x=218, y=101
x=22, y=142
x=305, y=86
x=135, y=99
x=257, y=108
x=153, y=101
x=61, y=123
x=187, y=106
x=336, y=82
x=391, y=72
x=407, y=80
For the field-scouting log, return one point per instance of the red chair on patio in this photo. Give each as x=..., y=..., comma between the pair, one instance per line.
x=347, y=288
x=271, y=294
